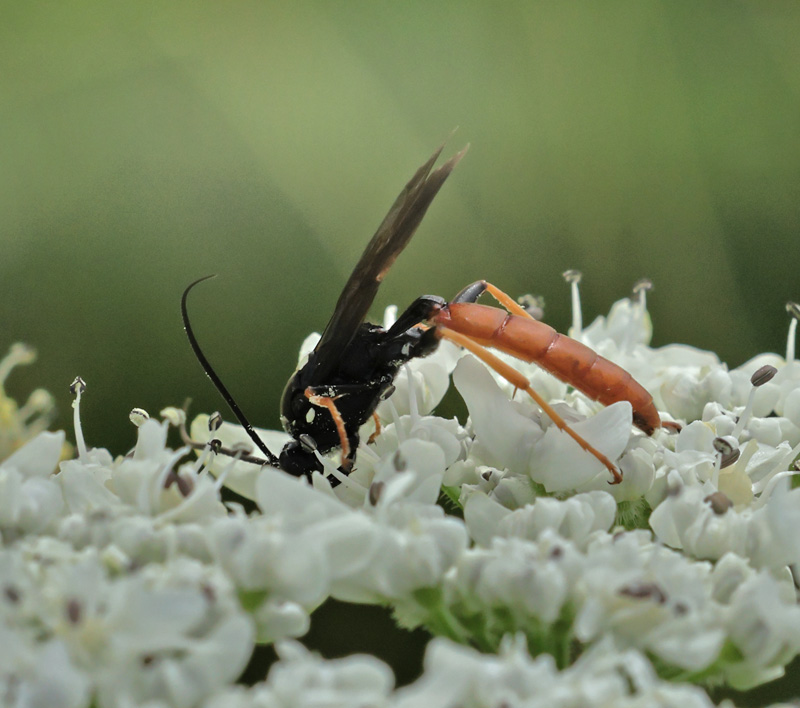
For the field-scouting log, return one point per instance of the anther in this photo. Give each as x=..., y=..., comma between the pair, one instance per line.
x=718, y=502
x=74, y=611
x=308, y=443
x=138, y=416
x=399, y=462
x=215, y=445
x=644, y=591
x=388, y=392
x=763, y=375
x=78, y=386
x=375, y=492
x=727, y=452
x=214, y=422
x=184, y=484
x=642, y=285
x=39, y=401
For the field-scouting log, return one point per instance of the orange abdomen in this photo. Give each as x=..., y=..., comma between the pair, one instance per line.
x=567, y=359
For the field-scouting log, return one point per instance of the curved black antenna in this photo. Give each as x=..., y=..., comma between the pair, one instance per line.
x=198, y=352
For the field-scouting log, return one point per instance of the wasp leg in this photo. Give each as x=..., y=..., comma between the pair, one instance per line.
x=473, y=291
x=510, y=374
x=422, y=309
x=374, y=436
x=346, y=431
x=330, y=403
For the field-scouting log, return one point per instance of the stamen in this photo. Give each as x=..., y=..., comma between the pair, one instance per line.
x=138, y=416
x=39, y=402
x=162, y=480
x=329, y=469
x=759, y=378
x=640, y=288
x=765, y=495
x=174, y=416
x=395, y=414
x=413, y=408
x=77, y=387
x=794, y=311
x=573, y=277
x=18, y=353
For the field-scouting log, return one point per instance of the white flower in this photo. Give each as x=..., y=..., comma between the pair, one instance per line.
x=512, y=578
x=508, y=437
x=172, y=632
x=649, y=598
x=301, y=679
x=150, y=482
x=19, y=424
x=390, y=548
x=39, y=673
x=30, y=499
x=705, y=524
x=456, y=675
x=765, y=627
x=281, y=574
x=574, y=519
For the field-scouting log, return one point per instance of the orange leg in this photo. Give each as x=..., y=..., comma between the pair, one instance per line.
x=507, y=301
x=329, y=403
x=510, y=374
x=377, y=432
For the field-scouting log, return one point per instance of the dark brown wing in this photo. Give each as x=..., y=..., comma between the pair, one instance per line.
x=389, y=240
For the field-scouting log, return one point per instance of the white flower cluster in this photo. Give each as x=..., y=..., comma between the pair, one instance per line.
x=128, y=581
x=455, y=675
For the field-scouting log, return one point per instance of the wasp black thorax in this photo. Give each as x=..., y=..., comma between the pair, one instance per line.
x=363, y=376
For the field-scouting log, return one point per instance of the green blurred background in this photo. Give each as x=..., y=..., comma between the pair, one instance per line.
x=145, y=144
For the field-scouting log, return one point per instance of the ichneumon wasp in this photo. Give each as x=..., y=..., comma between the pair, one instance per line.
x=353, y=366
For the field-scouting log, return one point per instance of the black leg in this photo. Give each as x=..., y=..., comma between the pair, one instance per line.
x=421, y=309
